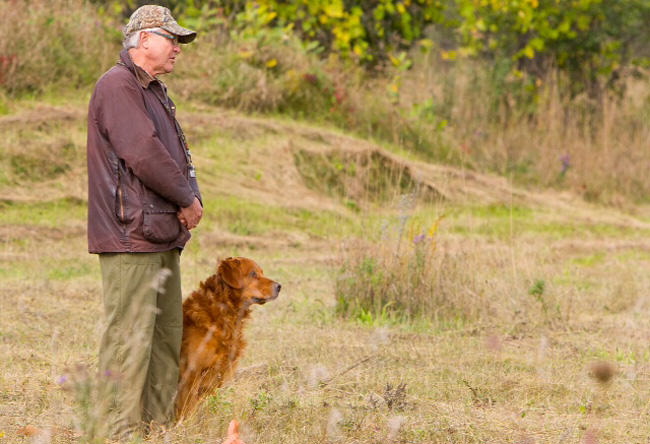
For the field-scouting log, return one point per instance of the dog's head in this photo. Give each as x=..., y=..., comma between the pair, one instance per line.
x=245, y=276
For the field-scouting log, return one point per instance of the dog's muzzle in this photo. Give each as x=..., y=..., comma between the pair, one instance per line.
x=274, y=294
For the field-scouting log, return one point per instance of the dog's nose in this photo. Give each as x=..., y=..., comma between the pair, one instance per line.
x=276, y=288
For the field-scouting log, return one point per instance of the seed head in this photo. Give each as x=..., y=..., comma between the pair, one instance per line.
x=602, y=371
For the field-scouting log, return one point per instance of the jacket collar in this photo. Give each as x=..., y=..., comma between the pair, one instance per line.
x=144, y=78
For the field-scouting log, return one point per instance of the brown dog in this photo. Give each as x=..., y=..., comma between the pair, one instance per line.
x=213, y=320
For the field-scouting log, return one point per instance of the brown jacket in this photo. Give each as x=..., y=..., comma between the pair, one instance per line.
x=139, y=171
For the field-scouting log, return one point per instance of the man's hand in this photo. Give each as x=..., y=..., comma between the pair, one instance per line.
x=190, y=216
x=233, y=434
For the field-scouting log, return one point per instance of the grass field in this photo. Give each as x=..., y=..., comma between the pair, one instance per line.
x=554, y=294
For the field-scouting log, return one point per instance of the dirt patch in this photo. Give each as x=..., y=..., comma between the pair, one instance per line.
x=42, y=161
x=203, y=125
x=216, y=239
x=42, y=115
x=365, y=175
x=15, y=232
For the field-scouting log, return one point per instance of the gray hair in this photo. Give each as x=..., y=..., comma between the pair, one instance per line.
x=133, y=41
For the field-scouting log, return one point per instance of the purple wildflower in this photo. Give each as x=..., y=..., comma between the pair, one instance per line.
x=566, y=163
x=419, y=238
x=62, y=380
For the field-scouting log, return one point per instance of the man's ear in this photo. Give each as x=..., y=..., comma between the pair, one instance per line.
x=144, y=39
x=230, y=272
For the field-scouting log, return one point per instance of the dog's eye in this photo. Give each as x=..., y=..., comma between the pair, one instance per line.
x=253, y=274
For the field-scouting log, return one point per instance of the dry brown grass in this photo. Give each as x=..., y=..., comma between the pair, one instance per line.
x=546, y=338
x=595, y=149
x=48, y=45
x=520, y=371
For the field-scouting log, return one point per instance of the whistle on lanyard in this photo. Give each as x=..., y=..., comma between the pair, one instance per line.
x=190, y=166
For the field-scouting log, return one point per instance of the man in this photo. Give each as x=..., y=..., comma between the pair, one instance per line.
x=143, y=199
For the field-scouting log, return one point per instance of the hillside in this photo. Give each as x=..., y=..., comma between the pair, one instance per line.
x=542, y=286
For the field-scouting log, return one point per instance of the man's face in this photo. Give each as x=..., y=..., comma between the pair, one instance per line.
x=161, y=51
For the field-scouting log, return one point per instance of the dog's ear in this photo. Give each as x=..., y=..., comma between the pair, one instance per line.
x=230, y=272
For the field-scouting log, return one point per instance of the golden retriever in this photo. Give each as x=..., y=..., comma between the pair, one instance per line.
x=213, y=321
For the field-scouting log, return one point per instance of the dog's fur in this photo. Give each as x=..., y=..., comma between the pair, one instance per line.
x=213, y=320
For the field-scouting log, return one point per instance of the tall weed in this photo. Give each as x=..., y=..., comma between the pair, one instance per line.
x=268, y=71
x=541, y=137
x=407, y=272
x=50, y=44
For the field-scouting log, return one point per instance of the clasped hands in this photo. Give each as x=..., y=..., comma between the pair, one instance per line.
x=190, y=216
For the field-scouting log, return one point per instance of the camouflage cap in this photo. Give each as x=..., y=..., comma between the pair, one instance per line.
x=154, y=16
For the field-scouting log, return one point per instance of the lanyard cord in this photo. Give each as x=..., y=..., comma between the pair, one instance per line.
x=171, y=110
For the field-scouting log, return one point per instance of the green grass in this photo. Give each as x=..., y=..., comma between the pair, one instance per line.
x=52, y=214
x=70, y=270
x=503, y=222
x=16, y=271
x=501, y=211
x=248, y=218
x=590, y=260
x=227, y=153
x=499, y=222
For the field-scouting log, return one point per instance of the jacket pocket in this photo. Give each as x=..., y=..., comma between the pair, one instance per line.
x=160, y=226
x=123, y=207
x=160, y=222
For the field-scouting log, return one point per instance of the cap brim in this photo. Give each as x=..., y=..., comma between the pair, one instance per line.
x=184, y=35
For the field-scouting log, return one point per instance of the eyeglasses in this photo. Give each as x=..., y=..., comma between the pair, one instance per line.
x=173, y=38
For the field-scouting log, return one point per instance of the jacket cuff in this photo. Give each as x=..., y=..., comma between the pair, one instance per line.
x=187, y=201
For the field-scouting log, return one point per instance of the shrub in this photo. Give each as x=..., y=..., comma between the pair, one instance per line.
x=406, y=275
x=48, y=44
x=594, y=42
x=266, y=70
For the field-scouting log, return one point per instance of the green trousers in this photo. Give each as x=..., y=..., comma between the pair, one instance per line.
x=140, y=347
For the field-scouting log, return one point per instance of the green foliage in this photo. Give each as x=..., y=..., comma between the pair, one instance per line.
x=595, y=41
x=256, y=68
x=367, y=31
x=588, y=39
x=219, y=402
x=261, y=401
x=537, y=289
